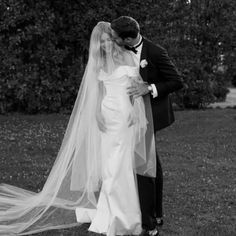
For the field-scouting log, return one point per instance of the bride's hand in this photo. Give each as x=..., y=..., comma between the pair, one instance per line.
x=101, y=122
x=131, y=119
x=131, y=100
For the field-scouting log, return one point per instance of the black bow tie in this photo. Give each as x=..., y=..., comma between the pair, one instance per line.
x=133, y=49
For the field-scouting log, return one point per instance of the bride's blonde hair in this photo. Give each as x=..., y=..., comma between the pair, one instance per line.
x=97, y=53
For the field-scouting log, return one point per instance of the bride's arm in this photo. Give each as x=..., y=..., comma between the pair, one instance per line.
x=99, y=117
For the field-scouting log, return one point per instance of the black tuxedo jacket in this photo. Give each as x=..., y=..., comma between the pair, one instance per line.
x=161, y=72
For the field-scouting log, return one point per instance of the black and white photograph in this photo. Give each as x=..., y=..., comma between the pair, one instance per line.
x=118, y=118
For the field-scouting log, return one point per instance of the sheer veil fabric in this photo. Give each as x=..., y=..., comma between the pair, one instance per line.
x=75, y=178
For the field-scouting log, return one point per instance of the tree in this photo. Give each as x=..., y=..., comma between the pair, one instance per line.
x=44, y=47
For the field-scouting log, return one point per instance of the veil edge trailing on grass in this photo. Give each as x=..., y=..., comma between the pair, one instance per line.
x=72, y=181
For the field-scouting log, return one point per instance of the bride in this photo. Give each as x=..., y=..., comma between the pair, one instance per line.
x=106, y=143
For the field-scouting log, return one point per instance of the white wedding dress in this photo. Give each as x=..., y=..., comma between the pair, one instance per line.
x=118, y=210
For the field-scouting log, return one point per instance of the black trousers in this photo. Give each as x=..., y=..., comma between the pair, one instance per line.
x=150, y=197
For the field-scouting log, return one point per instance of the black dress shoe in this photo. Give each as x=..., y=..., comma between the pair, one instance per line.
x=159, y=221
x=146, y=232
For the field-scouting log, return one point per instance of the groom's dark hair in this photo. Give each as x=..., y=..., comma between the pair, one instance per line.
x=125, y=26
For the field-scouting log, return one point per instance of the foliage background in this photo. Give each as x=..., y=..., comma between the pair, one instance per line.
x=43, y=47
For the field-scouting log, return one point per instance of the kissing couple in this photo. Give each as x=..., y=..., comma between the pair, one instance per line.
x=107, y=171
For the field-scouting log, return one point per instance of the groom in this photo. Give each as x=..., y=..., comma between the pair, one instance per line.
x=161, y=78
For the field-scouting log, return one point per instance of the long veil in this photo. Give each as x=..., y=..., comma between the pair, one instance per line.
x=75, y=178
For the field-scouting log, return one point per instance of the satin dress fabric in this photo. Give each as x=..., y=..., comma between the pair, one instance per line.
x=118, y=210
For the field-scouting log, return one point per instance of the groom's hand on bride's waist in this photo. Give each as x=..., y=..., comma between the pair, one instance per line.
x=137, y=89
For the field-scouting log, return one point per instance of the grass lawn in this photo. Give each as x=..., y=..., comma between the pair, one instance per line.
x=198, y=155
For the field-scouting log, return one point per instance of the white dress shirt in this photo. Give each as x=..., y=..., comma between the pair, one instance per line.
x=136, y=57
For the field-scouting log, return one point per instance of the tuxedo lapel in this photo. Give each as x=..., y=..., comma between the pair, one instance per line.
x=143, y=71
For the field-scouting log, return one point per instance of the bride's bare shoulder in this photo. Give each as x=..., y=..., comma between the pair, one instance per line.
x=125, y=58
x=128, y=58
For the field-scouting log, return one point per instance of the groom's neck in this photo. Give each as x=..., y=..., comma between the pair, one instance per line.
x=135, y=41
